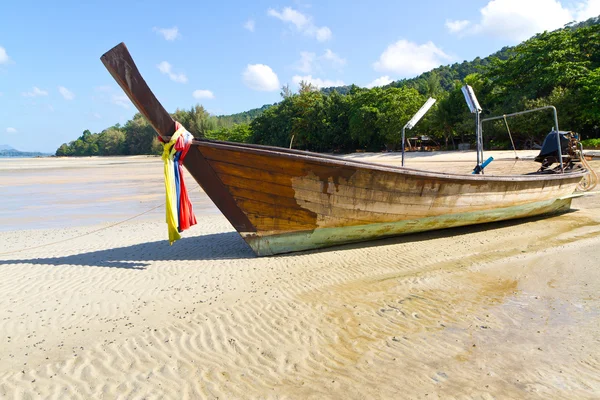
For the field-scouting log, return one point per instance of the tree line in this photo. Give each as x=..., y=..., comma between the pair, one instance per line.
x=560, y=68
x=138, y=137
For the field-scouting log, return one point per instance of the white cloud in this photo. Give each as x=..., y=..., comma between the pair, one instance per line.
x=107, y=94
x=250, y=25
x=517, y=20
x=96, y=115
x=309, y=62
x=318, y=82
x=167, y=69
x=260, y=77
x=586, y=10
x=406, y=58
x=302, y=23
x=35, y=92
x=203, y=94
x=121, y=100
x=169, y=34
x=11, y=130
x=334, y=59
x=381, y=81
x=322, y=34
x=292, y=16
x=4, y=58
x=66, y=93
x=105, y=88
x=456, y=26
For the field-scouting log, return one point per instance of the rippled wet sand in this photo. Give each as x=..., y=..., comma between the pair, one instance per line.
x=506, y=310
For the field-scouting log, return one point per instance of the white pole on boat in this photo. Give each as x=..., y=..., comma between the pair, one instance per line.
x=481, y=140
x=560, y=160
x=413, y=121
x=475, y=108
x=478, y=137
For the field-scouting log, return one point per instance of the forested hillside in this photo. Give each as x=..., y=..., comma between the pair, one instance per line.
x=561, y=68
x=138, y=137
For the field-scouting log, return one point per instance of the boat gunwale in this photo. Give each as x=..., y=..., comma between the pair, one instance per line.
x=405, y=193
x=322, y=159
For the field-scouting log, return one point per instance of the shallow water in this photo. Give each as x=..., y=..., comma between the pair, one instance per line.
x=57, y=192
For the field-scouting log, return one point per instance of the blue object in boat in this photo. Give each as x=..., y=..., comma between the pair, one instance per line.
x=480, y=168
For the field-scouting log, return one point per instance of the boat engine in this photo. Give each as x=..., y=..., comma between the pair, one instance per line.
x=569, y=145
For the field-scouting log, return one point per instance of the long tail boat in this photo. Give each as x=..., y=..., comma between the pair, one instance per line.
x=283, y=200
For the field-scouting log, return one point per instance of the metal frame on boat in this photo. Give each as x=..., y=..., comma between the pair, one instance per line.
x=282, y=200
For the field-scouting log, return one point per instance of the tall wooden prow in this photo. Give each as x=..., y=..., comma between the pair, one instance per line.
x=120, y=64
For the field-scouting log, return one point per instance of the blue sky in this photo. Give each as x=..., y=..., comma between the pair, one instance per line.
x=231, y=56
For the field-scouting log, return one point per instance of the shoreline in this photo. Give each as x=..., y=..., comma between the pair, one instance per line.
x=63, y=191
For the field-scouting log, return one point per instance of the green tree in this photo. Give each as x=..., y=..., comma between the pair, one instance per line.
x=139, y=135
x=396, y=107
x=240, y=133
x=63, y=150
x=111, y=142
x=286, y=92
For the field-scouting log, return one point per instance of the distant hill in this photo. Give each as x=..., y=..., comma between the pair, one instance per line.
x=446, y=75
x=244, y=117
x=583, y=24
x=8, y=151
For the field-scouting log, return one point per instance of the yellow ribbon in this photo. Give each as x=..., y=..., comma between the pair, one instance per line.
x=170, y=190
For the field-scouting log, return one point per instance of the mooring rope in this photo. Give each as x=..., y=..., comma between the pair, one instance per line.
x=511, y=138
x=593, y=176
x=514, y=164
x=85, y=234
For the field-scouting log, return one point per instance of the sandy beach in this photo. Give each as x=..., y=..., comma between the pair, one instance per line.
x=96, y=304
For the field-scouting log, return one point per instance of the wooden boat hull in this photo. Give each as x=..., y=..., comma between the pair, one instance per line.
x=326, y=237
x=283, y=200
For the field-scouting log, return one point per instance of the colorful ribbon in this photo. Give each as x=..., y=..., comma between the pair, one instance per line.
x=180, y=215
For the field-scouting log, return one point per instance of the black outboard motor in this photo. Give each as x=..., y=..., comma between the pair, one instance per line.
x=549, y=153
x=549, y=150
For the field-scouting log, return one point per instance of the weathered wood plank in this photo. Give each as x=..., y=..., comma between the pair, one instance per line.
x=270, y=168
x=120, y=64
x=273, y=182
x=273, y=226
x=206, y=177
x=296, y=214
x=310, y=158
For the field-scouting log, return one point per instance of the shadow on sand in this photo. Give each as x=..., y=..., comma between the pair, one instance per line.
x=217, y=246
x=230, y=245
